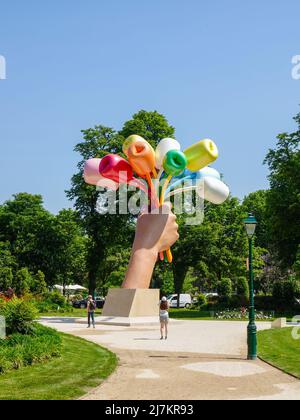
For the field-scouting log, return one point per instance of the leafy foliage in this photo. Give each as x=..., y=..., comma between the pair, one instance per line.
x=152, y=126
x=24, y=350
x=283, y=200
x=243, y=287
x=35, y=240
x=19, y=315
x=225, y=288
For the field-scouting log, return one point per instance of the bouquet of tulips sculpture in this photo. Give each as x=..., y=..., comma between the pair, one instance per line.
x=167, y=166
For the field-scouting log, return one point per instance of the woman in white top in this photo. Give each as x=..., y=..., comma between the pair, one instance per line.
x=164, y=317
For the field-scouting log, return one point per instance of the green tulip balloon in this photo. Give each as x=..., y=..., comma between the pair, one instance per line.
x=175, y=162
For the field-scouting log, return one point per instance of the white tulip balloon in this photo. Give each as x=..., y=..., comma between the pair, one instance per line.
x=209, y=188
x=163, y=148
x=213, y=190
x=208, y=171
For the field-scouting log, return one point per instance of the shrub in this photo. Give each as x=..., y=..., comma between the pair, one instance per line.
x=285, y=292
x=265, y=303
x=52, y=302
x=6, y=278
x=39, y=285
x=56, y=298
x=201, y=301
x=22, y=282
x=225, y=288
x=23, y=350
x=243, y=287
x=19, y=315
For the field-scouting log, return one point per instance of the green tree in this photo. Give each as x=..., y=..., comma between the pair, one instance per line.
x=163, y=279
x=152, y=126
x=71, y=248
x=297, y=264
x=22, y=281
x=23, y=223
x=7, y=265
x=214, y=249
x=6, y=278
x=243, y=287
x=256, y=203
x=285, y=292
x=225, y=288
x=201, y=301
x=39, y=285
x=38, y=240
x=283, y=200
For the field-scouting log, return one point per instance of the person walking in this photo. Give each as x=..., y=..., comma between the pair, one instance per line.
x=91, y=308
x=164, y=318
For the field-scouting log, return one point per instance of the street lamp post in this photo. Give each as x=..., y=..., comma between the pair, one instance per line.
x=250, y=225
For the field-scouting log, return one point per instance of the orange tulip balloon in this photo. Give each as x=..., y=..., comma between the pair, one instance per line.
x=141, y=156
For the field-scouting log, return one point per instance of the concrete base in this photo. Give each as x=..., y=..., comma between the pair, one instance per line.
x=132, y=303
x=279, y=323
x=125, y=322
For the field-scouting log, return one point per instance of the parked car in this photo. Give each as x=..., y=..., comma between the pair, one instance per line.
x=185, y=301
x=82, y=304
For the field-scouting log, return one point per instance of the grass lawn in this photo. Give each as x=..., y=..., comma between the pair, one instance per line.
x=76, y=313
x=190, y=314
x=83, y=365
x=280, y=349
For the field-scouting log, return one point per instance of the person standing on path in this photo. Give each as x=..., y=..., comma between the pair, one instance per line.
x=164, y=318
x=91, y=307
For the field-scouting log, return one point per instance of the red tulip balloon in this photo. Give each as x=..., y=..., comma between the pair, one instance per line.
x=117, y=169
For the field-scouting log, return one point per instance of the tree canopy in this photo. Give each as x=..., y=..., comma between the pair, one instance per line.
x=283, y=199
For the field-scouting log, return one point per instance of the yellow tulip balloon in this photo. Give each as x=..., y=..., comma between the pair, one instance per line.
x=201, y=154
x=129, y=141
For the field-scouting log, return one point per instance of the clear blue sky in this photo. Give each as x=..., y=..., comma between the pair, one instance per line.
x=219, y=69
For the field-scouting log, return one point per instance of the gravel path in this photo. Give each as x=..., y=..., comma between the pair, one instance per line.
x=201, y=360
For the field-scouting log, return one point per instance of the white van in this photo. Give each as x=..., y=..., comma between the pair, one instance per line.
x=184, y=302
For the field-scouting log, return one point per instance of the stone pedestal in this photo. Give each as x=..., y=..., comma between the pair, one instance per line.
x=132, y=303
x=279, y=323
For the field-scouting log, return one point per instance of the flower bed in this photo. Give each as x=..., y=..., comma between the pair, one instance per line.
x=243, y=315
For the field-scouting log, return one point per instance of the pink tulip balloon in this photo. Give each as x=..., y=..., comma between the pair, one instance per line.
x=92, y=175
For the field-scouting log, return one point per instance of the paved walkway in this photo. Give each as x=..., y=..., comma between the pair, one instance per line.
x=201, y=360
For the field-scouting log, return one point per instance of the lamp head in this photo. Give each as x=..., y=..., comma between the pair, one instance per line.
x=250, y=225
